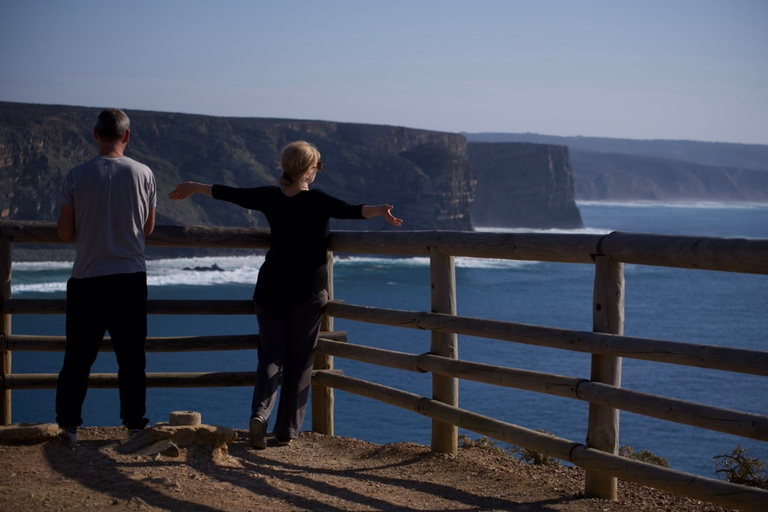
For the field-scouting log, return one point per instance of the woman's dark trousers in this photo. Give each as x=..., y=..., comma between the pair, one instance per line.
x=287, y=339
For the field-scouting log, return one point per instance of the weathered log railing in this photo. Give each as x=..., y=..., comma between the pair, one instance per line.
x=606, y=343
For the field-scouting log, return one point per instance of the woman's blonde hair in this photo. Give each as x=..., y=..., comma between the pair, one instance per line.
x=296, y=159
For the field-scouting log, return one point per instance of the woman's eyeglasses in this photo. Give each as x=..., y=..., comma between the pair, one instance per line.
x=319, y=166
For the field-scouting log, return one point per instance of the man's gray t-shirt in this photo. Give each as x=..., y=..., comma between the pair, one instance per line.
x=111, y=197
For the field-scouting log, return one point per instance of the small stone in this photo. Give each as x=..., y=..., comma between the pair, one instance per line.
x=137, y=502
x=159, y=447
x=184, y=418
x=171, y=451
x=30, y=432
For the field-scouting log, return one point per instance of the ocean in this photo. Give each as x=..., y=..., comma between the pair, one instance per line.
x=694, y=306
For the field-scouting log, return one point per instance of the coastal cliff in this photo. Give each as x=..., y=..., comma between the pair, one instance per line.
x=525, y=185
x=427, y=175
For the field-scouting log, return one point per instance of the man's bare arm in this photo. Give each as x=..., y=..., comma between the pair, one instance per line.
x=66, y=224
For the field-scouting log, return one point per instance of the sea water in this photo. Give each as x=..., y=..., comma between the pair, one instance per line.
x=694, y=306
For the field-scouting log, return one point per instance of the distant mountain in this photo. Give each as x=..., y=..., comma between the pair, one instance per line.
x=624, y=169
x=740, y=156
x=610, y=176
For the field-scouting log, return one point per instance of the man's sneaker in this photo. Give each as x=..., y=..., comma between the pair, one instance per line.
x=284, y=442
x=257, y=433
x=72, y=433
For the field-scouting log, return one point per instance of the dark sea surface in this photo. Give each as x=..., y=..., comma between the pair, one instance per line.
x=715, y=308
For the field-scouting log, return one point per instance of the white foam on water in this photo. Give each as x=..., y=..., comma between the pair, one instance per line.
x=676, y=204
x=48, y=287
x=39, y=266
x=182, y=271
x=552, y=231
x=460, y=262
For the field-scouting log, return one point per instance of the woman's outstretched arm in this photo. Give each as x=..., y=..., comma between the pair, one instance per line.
x=186, y=189
x=384, y=210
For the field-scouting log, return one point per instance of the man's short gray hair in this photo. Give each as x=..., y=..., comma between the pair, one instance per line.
x=112, y=125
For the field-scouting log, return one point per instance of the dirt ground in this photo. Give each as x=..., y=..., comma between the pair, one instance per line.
x=316, y=472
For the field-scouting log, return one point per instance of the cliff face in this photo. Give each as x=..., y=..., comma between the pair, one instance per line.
x=424, y=174
x=523, y=185
x=430, y=177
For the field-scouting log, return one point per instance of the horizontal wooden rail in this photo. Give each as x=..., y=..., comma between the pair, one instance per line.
x=720, y=419
x=29, y=343
x=377, y=356
x=162, y=236
x=156, y=380
x=701, y=488
x=705, y=253
x=703, y=356
x=729, y=421
x=515, y=246
x=154, y=307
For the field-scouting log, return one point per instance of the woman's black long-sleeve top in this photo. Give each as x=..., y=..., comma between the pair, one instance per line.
x=295, y=268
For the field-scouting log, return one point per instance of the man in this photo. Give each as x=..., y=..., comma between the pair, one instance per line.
x=108, y=206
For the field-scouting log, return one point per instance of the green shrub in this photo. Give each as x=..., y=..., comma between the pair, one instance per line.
x=481, y=442
x=740, y=468
x=643, y=456
x=532, y=457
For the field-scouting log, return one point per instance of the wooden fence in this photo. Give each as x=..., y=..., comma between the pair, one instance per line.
x=605, y=342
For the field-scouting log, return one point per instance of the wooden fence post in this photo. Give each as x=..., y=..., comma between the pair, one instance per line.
x=607, y=317
x=445, y=436
x=5, y=325
x=322, y=396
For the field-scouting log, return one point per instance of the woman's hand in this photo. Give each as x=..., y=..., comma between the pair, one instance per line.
x=186, y=189
x=385, y=210
x=387, y=214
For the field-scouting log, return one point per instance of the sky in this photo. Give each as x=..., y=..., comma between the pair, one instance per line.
x=644, y=69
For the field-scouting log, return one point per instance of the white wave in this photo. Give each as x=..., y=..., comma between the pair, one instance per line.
x=225, y=262
x=715, y=205
x=460, y=262
x=490, y=263
x=234, y=270
x=181, y=271
x=551, y=231
x=48, y=287
x=37, y=266
x=378, y=262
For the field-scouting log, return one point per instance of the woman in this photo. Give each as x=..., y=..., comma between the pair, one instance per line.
x=291, y=290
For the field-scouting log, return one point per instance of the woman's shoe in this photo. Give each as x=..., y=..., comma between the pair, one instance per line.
x=257, y=433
